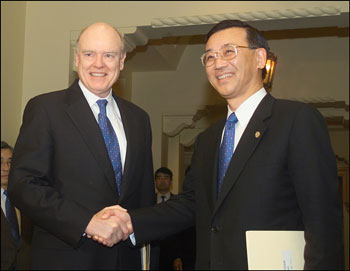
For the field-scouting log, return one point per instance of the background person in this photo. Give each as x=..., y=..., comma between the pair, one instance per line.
x=15, y=237
x=177, y=252
x=163, y=178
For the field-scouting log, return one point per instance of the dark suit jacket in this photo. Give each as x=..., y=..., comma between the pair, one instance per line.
x=13, y=255
x=284, y=178
x=180, y=245
x=61, y=176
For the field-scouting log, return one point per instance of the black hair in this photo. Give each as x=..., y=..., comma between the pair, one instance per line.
x=164, y=170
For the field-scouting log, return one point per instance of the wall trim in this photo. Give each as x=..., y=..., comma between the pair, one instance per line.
x=247, y=16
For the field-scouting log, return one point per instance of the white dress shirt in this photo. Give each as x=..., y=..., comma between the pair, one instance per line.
x=166, y=197
x=3, y=201
x=113, y=114
x=244, y=113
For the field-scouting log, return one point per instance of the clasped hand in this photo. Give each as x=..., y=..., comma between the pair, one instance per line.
x=110, y=225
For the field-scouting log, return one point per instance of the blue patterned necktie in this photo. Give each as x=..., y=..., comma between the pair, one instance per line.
x=11, y=218
x=226, y=149
x=111, y=142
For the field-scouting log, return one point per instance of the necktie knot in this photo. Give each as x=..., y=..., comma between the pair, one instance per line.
x=102, y=105
x=231, y=121
x=5, y=193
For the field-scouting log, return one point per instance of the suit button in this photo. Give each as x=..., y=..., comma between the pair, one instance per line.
x=215, y=228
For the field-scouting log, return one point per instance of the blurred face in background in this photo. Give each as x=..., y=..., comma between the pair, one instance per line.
x=6, y=157
x=163, y=182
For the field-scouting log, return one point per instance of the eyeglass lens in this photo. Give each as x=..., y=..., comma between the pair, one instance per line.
x=227, y=53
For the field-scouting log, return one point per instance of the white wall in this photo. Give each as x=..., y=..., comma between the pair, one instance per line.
x=312, y=67
x=12, y=50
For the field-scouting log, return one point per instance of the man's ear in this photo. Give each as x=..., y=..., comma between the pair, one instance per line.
x=121, y=63
x=76, y=59
x=261, y=57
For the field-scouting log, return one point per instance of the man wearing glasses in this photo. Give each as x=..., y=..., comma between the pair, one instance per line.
x=268, y=165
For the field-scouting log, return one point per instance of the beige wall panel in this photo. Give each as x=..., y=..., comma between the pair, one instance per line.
x=13, y=15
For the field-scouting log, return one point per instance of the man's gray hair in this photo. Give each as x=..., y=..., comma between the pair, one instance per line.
x=122, y=52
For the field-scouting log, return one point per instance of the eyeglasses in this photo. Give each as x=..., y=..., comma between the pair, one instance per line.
x=227, y=52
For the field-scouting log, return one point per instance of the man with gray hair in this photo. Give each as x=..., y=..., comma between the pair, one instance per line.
x=79, y=152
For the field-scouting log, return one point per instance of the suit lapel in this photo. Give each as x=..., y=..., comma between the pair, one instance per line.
x=130, y=129
x=214, y=152
x=6, y=227
x=247, y=144
x=80, y=112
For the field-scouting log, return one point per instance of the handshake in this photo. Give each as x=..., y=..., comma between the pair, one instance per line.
x=109, y=226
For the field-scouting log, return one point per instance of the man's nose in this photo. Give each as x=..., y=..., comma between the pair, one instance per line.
x=220, y=62
x=5, y=166
x=99, y=61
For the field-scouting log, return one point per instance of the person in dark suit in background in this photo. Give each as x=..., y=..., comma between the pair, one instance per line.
x=268, y=165
x=167, y=246
x=82, y=150
x=163, y=178
x=177, y=252
x=16, y=237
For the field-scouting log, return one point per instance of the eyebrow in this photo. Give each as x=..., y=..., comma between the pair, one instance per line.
x=92, y=51
x=226, y=44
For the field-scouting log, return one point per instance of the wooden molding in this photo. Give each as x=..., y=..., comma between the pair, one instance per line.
x=247, y=16
x=331, y=104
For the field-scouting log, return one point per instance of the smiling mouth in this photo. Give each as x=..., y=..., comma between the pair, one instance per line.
x=98, y=74
x=224, y=76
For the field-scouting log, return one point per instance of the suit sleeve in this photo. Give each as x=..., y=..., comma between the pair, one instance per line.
x=148, y=197
x=164, y=219
x=32, y=182
x=314, y=173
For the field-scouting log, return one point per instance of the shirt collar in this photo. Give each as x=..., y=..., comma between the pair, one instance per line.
x=245, y=111
x=166, y=196
x=3, y=196
x=91, y=97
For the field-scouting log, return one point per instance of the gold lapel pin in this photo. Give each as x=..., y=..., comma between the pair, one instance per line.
x=257, y=134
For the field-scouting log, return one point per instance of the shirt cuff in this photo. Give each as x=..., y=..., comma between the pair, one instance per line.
x=132, y=239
